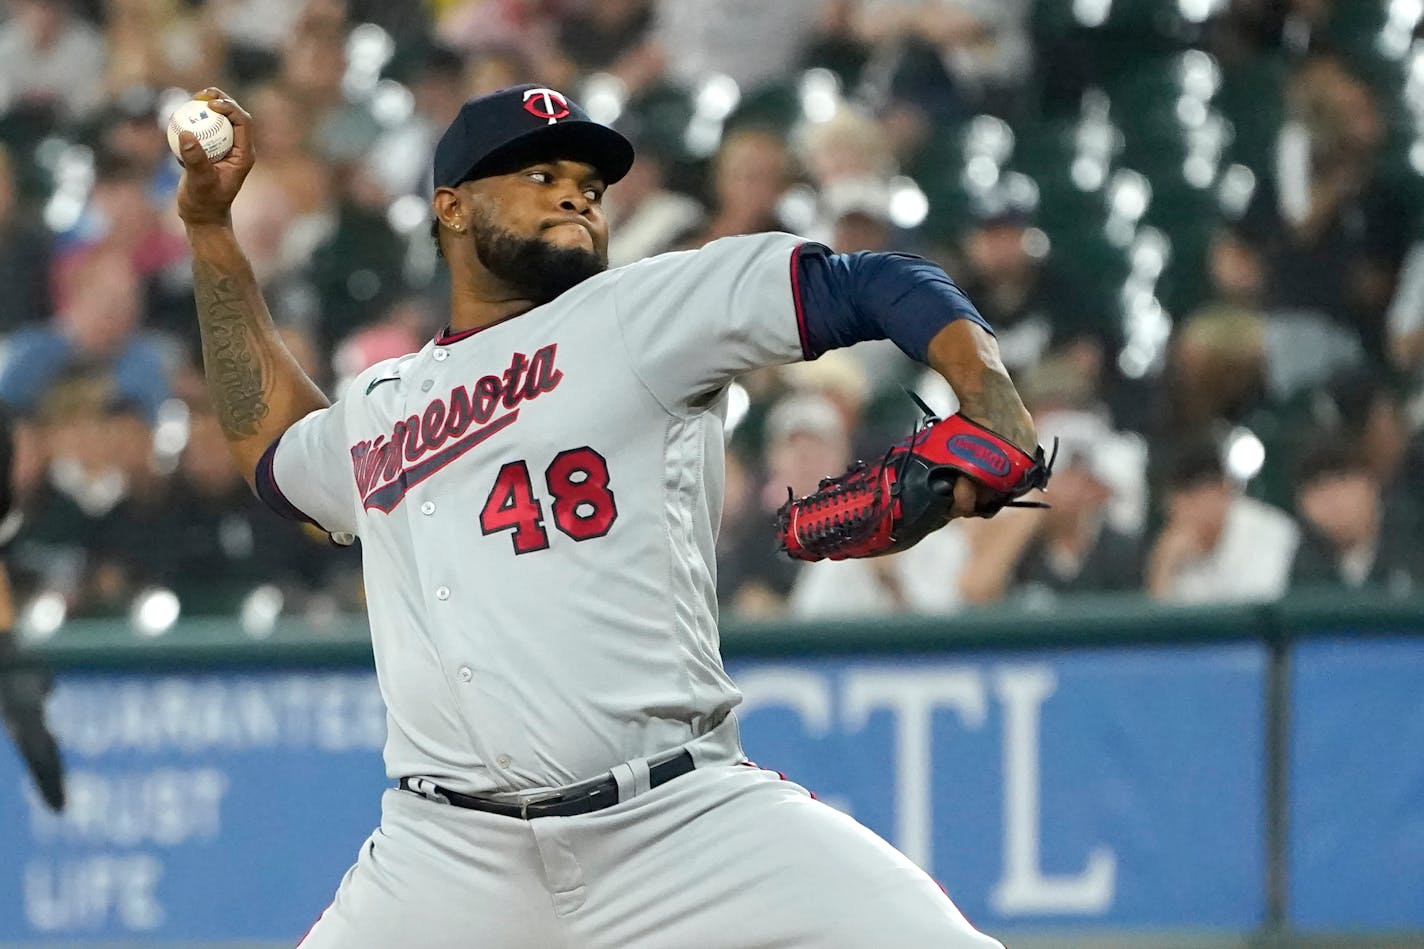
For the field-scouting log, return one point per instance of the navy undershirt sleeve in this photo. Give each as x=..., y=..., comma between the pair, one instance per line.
x=266, y=487
x=844, y=299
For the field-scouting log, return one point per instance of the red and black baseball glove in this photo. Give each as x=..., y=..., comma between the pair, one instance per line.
x=883, y=508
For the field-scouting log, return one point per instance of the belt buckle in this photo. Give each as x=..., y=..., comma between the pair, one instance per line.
x=542, y=799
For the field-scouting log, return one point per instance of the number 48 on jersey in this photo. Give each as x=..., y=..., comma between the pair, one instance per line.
x=583, y=506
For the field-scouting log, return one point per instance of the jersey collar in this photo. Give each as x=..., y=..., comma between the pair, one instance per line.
x=445, y=337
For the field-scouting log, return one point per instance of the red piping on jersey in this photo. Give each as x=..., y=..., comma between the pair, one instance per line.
x=782, y=776
x=796, y=297
x=445, y=338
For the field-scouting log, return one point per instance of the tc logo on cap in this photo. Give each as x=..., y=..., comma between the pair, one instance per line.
x=546, y=104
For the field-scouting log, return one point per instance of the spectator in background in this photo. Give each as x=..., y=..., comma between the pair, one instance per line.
x=221, y=542
x=1217, y=366
x=753, y=577
x=850, y=164
x=131, y=550
x=529, y=28
x=131, y=131
x=125, y=215
x=1351, y=538
x=410, y=24
x=1217, y=545
x=1071, y=547
x=750, y=173
x=253, y=31
x=404, y=330
x=288, y=199
x=1227, y=360
x=806, y=441
x=1303, y=281
x=850, y=145
x=356, y=269
x=646, y=217
x=598, y=37
x=132, y=206
x=754, y=42
x=312, y=70
x=1404, y=321
x=57, y=563
x=97, y=330
x=1265, y=26
x=1322, y=242
x=844, y=379
x=162, y=44
x=855, y=216
x=837, y=44
x=400, y=160
x=96, y=448
x=50, y=60
x=1035, y=307
x=495, y=69
x=24, y=256
x=1370, y=408
x=308, y=354
x=983, y=48
x=923, y=65
x=122, y=216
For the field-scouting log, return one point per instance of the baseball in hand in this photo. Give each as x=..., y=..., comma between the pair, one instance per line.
x=213, y=129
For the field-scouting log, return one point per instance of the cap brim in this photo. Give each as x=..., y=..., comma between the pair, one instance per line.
x=589, y=142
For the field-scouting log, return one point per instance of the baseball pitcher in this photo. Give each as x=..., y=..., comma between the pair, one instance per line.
x=537, y=493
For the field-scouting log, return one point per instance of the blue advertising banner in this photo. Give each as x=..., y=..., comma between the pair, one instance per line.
x=1357, y=785
x=1112, y=788
x=201, y=807
x=1116, y=788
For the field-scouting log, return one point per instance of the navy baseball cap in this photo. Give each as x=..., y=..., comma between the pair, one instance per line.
x=494, y=133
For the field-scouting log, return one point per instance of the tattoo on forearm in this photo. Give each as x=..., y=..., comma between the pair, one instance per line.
x=236, y=365
x=996, y=403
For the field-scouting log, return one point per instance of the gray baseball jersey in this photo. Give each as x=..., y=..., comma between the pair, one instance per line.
x=537, y=503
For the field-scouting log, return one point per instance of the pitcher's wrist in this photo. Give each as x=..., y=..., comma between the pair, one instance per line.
x=202, y=224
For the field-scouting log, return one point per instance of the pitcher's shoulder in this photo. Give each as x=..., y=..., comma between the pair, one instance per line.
x=731, y=246
x=726, y=255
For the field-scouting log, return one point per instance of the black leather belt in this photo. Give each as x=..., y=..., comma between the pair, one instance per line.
x=584, y=798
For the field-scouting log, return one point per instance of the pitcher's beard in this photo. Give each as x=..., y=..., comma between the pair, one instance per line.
x=533, y=268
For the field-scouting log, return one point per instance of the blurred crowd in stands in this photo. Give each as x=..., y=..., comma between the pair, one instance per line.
x=1193, y=223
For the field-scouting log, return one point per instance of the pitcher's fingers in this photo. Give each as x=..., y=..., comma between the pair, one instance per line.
x=194, y=159
x=966, y=497
x=240, y=119
x=235, y=113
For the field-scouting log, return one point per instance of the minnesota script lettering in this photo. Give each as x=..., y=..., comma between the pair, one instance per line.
x=417, y=447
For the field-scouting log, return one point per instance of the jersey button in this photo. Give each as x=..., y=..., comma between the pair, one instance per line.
x=465, y=674
x=428, y=507
x=442, y=593
x=504, y=761
x=441, y=355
